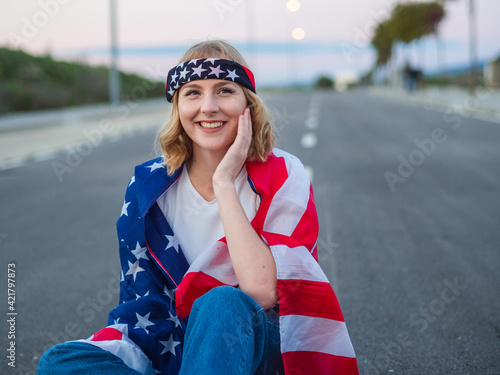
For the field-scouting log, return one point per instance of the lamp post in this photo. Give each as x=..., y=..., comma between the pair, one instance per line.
x=249, y=26
x=297, y=34
x=472, y=47
x=114, y=78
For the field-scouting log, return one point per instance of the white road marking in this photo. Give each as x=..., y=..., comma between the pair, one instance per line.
x=309, y=140
x=312, y=122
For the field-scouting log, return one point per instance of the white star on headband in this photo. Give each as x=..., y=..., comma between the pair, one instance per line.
x=184, y=72
x=174, y=77
x=198, y=70
x=216, y=71
x=219, y=69
x=232, y=74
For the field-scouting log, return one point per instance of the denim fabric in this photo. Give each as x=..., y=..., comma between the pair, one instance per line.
x=79, y=358
x=229, y=333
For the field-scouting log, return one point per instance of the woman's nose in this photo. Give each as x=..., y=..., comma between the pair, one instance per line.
x=209, y=104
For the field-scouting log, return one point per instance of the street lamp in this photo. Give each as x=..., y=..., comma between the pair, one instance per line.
x=114, y=78
x=249, y=27
x=293, y=5
x=472, y=46
x=297, y=34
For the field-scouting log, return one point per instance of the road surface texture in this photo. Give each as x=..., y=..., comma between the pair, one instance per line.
x=409, y=205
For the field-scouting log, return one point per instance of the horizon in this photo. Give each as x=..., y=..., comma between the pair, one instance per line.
x=175, y=51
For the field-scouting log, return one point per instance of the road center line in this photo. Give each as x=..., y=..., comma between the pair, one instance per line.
x=309, y=140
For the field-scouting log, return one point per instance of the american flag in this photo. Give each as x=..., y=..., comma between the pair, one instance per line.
x=158, y=286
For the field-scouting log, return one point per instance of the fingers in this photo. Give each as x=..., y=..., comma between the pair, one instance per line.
x=231, y=164
x=245, y=127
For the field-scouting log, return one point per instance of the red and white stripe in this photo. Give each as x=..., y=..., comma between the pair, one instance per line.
x=314, y=337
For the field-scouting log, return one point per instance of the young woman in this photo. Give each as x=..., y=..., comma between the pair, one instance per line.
x=218, y=246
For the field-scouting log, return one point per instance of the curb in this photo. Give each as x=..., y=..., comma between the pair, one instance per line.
x=484, y=105
x=67, y=116
x=26, y=138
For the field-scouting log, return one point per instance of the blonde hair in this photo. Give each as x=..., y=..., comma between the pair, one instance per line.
x=173, y=141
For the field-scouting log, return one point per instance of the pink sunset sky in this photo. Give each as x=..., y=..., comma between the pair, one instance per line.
x=152, y=34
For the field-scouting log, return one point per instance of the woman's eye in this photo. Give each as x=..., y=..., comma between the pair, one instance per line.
x=226, y=90
x=191, y=92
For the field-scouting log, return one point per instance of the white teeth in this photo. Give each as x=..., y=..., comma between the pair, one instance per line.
x=211, y=125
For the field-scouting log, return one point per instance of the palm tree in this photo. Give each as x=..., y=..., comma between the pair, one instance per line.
x=473, y=47
x=409, y=22
x=383, y=41
x=413, y=21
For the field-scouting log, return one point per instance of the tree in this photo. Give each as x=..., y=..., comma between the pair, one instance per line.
x=413, y=21
x=408, y=22
x=382, y=41
x=324, y=82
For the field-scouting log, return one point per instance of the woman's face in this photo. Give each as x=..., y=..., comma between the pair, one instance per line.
x=223, y=101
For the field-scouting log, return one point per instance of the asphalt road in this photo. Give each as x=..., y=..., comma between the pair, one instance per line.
x=409, y=207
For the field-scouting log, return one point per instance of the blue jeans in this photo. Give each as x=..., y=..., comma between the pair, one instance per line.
x=79, y=358
x=227, y=333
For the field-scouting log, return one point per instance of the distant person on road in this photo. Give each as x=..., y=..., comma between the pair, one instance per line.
x=218, y=246
x=413, y=78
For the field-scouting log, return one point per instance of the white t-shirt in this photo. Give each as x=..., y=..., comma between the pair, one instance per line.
x=196, y=222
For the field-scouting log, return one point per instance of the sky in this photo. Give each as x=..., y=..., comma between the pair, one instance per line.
x=152, y=34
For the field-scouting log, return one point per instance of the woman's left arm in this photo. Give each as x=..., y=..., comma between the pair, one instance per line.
x=252, y=259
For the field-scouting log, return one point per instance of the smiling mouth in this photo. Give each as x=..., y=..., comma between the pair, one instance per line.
x=211, y=125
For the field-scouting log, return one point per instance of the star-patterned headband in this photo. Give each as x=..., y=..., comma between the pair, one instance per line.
x=211, y=68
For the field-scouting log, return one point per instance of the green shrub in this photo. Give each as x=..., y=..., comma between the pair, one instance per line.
x=324, y=82
x=40, y=82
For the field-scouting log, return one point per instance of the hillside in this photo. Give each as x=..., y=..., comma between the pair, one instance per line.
x=31, y=83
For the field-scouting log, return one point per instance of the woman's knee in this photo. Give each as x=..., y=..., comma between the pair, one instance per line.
x=224, y=292
x=54, y=358
x=81, y=358
x=227, y=298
